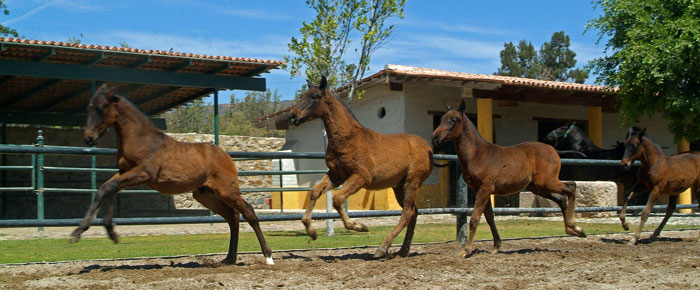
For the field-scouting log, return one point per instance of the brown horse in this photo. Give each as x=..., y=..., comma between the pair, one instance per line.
x=661, y=174
x=148, y=156
x=502, y=170
x=358, y=157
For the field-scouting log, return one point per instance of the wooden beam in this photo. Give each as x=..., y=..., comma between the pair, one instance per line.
x=534, y=97
x=127, y=75
x=180, y=102
x=256, y=72
x=29, y=93
x=156, y=95
x=55, y=119
x=142, y=62
x=46, y=55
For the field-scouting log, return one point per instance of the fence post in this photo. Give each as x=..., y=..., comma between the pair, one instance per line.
x=330, y=231
x=281, y=186
x=40, y=179
x=462, y=202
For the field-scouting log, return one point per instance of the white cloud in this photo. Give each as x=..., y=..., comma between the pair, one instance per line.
x=451, y=27
x=62, y=4
x=257, y=14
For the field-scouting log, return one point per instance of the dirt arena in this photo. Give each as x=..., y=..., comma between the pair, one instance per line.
x=597, y=262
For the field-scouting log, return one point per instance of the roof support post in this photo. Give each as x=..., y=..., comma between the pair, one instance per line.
x=595, y=125
x=216, y=117
x=484, y=124
x=685, y=197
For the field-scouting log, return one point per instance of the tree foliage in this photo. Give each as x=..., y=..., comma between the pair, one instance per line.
x=653, y=56
x=4, y=30
x=234, y=119
x=555, y=61
x=324, y=42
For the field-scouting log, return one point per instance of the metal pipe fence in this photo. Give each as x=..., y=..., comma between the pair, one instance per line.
x=38, y=168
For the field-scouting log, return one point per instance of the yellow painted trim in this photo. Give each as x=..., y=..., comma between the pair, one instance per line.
x=686, y=196
x=383, y=199
x=595, y=125
x=484, y=124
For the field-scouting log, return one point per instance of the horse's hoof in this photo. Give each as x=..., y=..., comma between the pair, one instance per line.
x=360, y=228
x=74, y=239
x=269, y=261
x=402, y=253
x=114, y=237
x=466, y=254
x=495, y=250
x=632, y=242
x=626, y=226
x=380, y=253
x=312, y=234
x=228, y=261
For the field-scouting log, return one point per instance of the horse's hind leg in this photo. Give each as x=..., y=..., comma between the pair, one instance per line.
x=232, y=197
x=207, y=198
x=408, y=218
x=566, y=205
x=488, y=214
x=132, y=177
x=324, y=186
x=672, y=199
x=399, y=191
x=653, y=196
x=351, y=186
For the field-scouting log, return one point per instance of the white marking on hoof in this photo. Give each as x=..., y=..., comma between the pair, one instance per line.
x=269, y=261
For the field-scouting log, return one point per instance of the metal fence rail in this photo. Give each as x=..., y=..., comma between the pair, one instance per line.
x=38, y=168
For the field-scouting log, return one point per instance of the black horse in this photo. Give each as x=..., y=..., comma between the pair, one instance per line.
x=571, y=137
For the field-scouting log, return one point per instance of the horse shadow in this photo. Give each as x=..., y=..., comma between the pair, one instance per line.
x=513, y=252
x=363, y=256
x=645, y=241
x=188, y=265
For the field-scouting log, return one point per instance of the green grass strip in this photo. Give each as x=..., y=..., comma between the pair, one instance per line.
x=51, y=250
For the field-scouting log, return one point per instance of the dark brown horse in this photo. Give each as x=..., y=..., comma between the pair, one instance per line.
x=148, y=156
x=659, y=173
x=358, y=157
x=502, y=170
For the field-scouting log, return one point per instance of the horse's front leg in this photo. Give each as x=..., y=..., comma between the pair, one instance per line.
x=483, y=195
x=132, y=177
x=351, y=186
x=324, y=186
x=636, y=190
x=653, y=197
x=488, y=214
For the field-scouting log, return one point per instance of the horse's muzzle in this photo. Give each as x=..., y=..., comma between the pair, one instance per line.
x=625, y=165
x=90, y=141
x=436, y=140
x=293, y=119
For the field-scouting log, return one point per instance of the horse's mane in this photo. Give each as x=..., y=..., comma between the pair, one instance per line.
x=473, y=127
x=346, y=107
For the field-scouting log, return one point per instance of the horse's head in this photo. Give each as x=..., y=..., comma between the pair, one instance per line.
x=100, y=113
x=451, y=125
x=311, y=104
x=633, y=146
x=559, y=135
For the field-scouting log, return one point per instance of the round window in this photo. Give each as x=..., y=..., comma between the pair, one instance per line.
x=381, y=112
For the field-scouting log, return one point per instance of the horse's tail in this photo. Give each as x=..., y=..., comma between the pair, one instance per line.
x=562, y=152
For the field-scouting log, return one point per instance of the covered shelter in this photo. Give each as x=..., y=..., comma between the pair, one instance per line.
x=47, y=85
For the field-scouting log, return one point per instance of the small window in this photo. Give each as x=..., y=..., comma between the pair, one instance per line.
x=381, y=112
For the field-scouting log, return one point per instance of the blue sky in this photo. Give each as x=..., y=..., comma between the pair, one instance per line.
x=464, y=36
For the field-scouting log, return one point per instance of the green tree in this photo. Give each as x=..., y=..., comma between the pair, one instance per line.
x=324, y=42
x=653, y=56
x=4, y=30
x=555, y=60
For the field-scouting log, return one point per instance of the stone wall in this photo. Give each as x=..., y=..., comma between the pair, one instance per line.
x=588, y=193
x=237, y=143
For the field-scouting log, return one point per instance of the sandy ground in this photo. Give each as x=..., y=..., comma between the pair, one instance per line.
x=596, y=262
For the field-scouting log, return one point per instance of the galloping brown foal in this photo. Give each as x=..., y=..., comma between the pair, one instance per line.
x=661, y=174
x=148, y=156
x=358, y=157
x=502, y=170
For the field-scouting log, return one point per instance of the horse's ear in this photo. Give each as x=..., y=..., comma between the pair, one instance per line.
x=309, y=84
x=462, y=106
x=642, y=133
x=112, y=94
x=447, y=105
x=324, y=83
